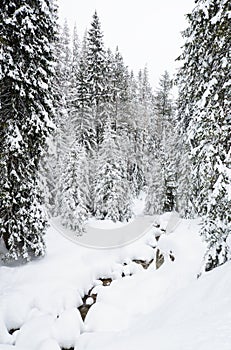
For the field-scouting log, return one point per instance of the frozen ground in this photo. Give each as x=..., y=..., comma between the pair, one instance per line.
x=166, y=309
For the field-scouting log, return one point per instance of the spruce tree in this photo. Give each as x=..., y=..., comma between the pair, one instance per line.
x=144, y=109
x=27, y=31
x=62, y=137
x=112, y=195
x=65, y=60
x=96, y=69
x=75, y=191
x=184, y=201
x=75, y=52
x=119, y=81
x=81, y=112
x=204, y=84
x=135, y=170
x=161, y=149
x=73, y=74
x=155, y=200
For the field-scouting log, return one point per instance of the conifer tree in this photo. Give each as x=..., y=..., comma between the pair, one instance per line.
x=119, y=81
x=75, y=52
x=73, y=74
x=204, y=84
x=155, y=200
x=135, y=171
x=162, y=143
x=96, y=69
x=75, y=189
x=62, y=137
x=81, y=112
x=65, y=59
x=27, y=31
x=145, y=102
x=184, y=201
x=112, y=197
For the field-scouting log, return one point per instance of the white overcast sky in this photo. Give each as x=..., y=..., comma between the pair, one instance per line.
x=146, y=31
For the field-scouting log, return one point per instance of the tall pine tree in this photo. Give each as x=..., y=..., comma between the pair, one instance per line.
x=161, y=149
x=75, y=191
x=27, y=30
x=96, y=79
x=112, y=195
x=204, y=83
x=63, y=135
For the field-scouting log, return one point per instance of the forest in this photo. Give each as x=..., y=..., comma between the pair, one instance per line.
x=115, y=194
x=81, y=136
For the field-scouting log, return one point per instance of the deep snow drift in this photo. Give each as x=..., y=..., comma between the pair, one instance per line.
x=168, y=309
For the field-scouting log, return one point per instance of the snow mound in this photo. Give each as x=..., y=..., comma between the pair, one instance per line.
x=137, y=307
x=195, y=317
x=67, y=328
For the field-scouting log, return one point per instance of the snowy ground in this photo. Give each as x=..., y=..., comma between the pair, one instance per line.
x=107, y=235
x=167, y=309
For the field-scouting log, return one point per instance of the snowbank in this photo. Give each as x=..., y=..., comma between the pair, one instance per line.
x=168, y=308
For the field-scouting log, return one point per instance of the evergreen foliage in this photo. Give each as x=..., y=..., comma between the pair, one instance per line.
x=59, y=143
x=27, y=31
x=112, y=197
x=96, y=69
x=75, y=191
x=162, y=172
x=185, y=204
x=206, y=70
x=104, y=95
x=81, y=111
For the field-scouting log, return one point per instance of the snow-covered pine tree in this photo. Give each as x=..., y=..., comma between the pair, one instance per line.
x=74, y=70
x=184, y=185
x=145, y=103
x=75, y=189
x=204, y=83
x=155, y=200
x=65, y=58
x=96, y=69
x=65, y=64
x=135, y=172
x=162, y=142
x=27, y=32
x=119, y=82
x=63, y=135
x=75, y=52
x=112, y=195
x=81, y=112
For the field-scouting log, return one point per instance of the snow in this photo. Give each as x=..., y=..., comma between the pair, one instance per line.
x=49, y=344
x=167, y=308
x=139, y=204
x=37, y=326
x=129, y=297
x=106, y=224
x=99, y=315
x=106, y=234
x=195, y=318
x=15, y=139
x=216, y=18
x=224, y=62
x=228, y=241
x=67, y=328
x=89, y=301
x=43, y=85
